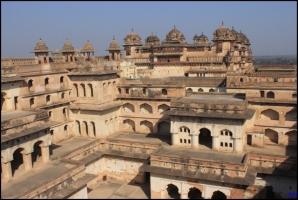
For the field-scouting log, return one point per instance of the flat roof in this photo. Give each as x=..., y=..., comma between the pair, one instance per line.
x=7, y=115
x=201, y=154
x=222, y=98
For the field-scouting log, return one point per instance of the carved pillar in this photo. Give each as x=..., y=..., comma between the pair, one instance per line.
x=42, y=59
x=73, y=58
x=238, y=145
x=119, y=56
x=27, y=159
x=175, y=139
x=36, y=59
x=47, y=58
x=194, y=141
x=215, y=143
x=110, y=56
x=68, y=57
x=45, y=154
x=6, y=170
x=183, y=196
x=90, y=131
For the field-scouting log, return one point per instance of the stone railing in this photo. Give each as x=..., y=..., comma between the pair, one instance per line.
x=18, y=61
x=203, y=59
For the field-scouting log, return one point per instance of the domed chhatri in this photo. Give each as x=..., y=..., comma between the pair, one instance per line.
x=152, y=40
x=201, y=39
x=174, y=36
x=114, y=45
x=68, y=47
x=132, y=39
x=223, y=33
x=114, y=50
x=40, y=47
x=88, y=47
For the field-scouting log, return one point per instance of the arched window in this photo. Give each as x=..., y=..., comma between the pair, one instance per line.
x=270, y=95
x=48, y=99
x=189, y=90
x=164, y=92
x=75, y=90
x=90, y=90
x=62, y=95
x=31, y=102
x=211, y=90
x=61, y=81
x=46, y=83
x=200, y=90
x=93, y=128
x=78, y=127
x=241, y=79
x=83, y=91
x=30, y=85
x=144, y=91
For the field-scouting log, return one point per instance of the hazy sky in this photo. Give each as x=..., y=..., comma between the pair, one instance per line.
x=271, y=27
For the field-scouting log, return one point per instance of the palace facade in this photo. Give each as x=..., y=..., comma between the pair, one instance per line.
x=189, y=120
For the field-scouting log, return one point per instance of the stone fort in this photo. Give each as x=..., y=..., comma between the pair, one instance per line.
x=169, y=118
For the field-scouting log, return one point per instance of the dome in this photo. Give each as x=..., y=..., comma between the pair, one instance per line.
x=67, y=47
x=114, y=45
x=41, y=46
x=174, y=36
x=200, y=39
x=88, y=47
x=223, y=33
x=243, y=38
x=133, y=39
x=152, y=40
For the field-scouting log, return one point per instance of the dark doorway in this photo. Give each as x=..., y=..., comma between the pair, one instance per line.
x=249, y=139
x=205, y=138
x=269, y=192
x=17, y=161
x=164, y=128
x=36, y=154
x=194, y=193
x=173, y=191
x=218, y=195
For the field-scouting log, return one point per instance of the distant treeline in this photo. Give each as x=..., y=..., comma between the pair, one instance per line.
x=275, y=60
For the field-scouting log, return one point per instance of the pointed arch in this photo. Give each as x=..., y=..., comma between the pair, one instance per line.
x=146, y=126
x=269, y=114
x=145, y=108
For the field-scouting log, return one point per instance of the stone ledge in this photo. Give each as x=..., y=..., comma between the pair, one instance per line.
x=74, y=187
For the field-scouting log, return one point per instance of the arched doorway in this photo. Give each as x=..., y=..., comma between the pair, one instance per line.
x=173, y=191
x=17, y=162
x=205, y=138
x=218, y=195
x=146, y=127
x=36, y=154
x=194, y=193
x=271, y=137
x=164, y=128
x=129, y=125
x=3, y=94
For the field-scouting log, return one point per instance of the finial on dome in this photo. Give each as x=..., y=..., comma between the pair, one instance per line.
x=174, y=27
x=88, y=40
x=40, y=38
x=240, y=31
x=222, y=23
x=232, y=27
x=66, y=38
x=113, y=37
x=132, y=30
x=202, y=33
